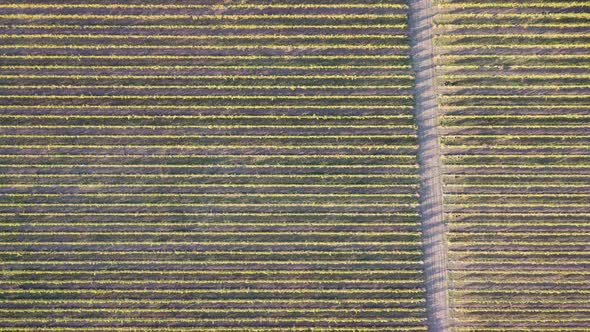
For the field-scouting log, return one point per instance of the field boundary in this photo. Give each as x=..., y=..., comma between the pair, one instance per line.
x=431, y=195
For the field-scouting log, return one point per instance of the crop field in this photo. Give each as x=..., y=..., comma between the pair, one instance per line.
x=255, y=165
x=513, y=86
x=208, y=166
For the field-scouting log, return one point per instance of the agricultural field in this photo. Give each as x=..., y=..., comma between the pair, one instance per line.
x=513, y=87
x=208, y=166
x=274, y=165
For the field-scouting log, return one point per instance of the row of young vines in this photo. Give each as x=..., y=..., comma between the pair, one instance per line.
x=513, y=92
x=208, y=166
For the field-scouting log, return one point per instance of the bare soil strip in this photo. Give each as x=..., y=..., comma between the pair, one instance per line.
x=431, y=195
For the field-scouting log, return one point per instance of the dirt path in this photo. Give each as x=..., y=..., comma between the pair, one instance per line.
x=433, y=228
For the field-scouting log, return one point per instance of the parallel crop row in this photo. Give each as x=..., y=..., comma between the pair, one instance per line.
x=201, y=166
x=513, y=83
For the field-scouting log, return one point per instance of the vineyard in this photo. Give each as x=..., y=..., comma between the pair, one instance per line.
x=513, y=80
x=329, y=165
x=208, y=166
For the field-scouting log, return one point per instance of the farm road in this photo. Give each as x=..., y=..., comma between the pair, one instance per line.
x=431, y=196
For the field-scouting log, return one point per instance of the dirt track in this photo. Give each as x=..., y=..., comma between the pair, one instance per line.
x=431, y=196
